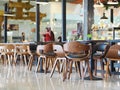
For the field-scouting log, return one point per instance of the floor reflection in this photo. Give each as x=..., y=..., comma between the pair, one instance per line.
x=19, y=78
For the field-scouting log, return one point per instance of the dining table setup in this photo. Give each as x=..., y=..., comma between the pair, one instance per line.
x=92, y=44
x=65, y=60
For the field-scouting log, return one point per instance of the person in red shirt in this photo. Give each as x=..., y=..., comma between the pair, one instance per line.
x=52, y=36
x=47, y=36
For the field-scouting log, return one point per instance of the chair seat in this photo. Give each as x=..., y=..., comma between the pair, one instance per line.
x=49, y=54
x=76, y=55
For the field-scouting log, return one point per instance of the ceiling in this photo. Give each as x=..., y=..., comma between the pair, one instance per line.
x=18, y=9
x=2, y=2
x=29, y=4
x=33, y=1
x=21, y=9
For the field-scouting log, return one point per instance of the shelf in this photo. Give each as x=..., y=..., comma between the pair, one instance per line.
x=104, y=34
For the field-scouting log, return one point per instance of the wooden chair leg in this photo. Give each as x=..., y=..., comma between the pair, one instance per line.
x=48, y=63
x=65, y=69
x=107, y=69
x=70, y=69
x=52, y=61
x=49, y=60
x=30, y=63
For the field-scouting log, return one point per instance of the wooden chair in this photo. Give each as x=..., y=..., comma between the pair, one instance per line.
x=34, y=55
x=10, y=53
x=100, y=51
x=78, y=52
x=60, y=58
x=2, y=54
x=113, y=54
x=24, y=53
x=39, y=49
x=46, y=54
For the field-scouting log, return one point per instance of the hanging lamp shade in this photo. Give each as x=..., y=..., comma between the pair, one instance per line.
x=113, y=2
x=104, y=17
x=98, y=4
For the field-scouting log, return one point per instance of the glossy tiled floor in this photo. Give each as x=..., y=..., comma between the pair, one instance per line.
x=19, y=78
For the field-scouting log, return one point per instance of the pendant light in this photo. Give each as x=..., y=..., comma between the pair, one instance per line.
x=104, y=17
x=112, y=2
x=98, y=4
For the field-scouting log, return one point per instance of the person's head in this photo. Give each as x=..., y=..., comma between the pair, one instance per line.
x=23, y=33
x=48, y=29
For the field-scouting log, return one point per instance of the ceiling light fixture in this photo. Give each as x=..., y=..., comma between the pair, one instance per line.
x=8, y=15
x=57, y=0
x=104, y=17
x=98, y=4
x=113, y=2
x=43, y=2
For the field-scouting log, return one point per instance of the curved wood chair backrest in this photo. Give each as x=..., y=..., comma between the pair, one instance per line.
x=9, y=47
x=48, y=48
x=76, y=47
x=113, y=52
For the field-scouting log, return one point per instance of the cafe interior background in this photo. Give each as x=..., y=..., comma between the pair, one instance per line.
x=53, y=19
